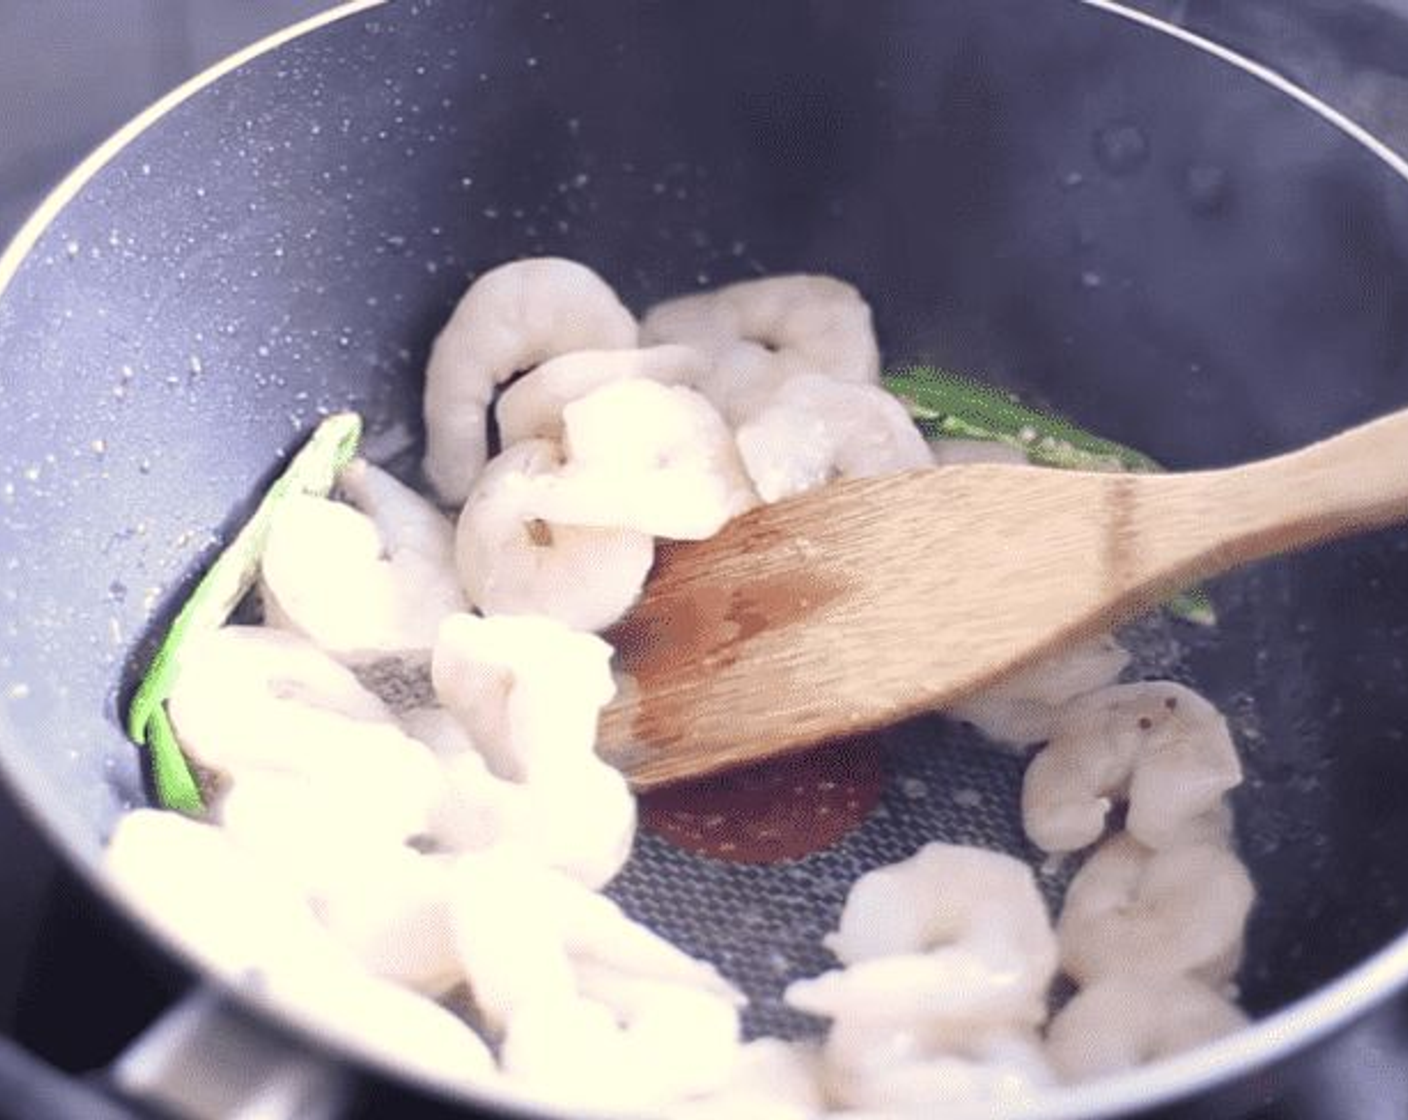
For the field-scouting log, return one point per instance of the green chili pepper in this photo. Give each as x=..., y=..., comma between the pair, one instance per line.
x=313, y=470
x=951, y=406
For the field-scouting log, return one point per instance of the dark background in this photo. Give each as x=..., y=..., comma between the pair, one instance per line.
x=72, y=71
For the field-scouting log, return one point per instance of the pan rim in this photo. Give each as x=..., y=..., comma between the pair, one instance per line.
x=1330, y=1008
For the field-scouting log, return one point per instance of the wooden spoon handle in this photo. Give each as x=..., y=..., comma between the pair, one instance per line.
x=1350, y=483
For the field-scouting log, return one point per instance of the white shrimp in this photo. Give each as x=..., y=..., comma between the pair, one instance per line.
x=947, y=895
x=1025, y=707
x=905, y=1069
x=951, y=934
x=1134, y=910
x=531, y=408
x=812, y=430
x=191, y=881
x=239, y=916
x=395, y=559
x=511, y=319
x=770, y=1080
x=1121, y=1022
x=654, y=458
x=479, y=809
x=390, y=908
x=634, y=1059
x=682, y=1040
x=1157, y=744
x=529, y=692
x=384, y=902
x=758, y=333
x=511, y=561
x=527, y=689
x=580, y=825
x=375, y=1016
x=954, y=452
x=523, y=930
x=249, y=698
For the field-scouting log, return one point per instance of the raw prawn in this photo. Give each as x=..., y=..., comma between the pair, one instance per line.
x=512, y=561
x=813, y=429
x=1132, y=910
x=252, y=699
x=1157, y=744
x=952, y=934
x=770, y=1080
x=192, y=881
x=654, y=458
x=1121, y=1022
x=378, y=1018
x=390, y=908
x=529, y=691
x=902, y=1069
x=382, y=900
x=511, y=319
x=395, y=559
x=581, y=825
x=530, y=937
x=531, y=408
x=1024, y=708
x=237, y=914
x=663, y=1045
x=758, y=333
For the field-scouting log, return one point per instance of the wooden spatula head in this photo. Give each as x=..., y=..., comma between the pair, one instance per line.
x=875, y=599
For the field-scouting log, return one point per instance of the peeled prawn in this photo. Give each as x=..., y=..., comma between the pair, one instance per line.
x=636, y=1060
x=531, y=408
x=237, y=915
x=249, y=698
x=377, y=1018
x=654, y=458
x=1025, y=708
x=952, y=934
x=522, y=932
x=390, y=908
x=945, y=897
x=479, y=808
x=770, y=1080
x=506, y=936
x=670, y=1028
x=758, y=333
x=581, y=824
x=529, y=691
x=393, y=557
x=512, y=561
x=511, y=319
x=1157, y=744
x=812, y=430
x=192, y=882
x=1121, y=1022
x=900, y=1069
x=682, y=1038
x=1132, y=910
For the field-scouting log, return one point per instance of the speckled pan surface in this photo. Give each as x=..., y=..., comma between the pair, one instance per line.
x=1039, y=192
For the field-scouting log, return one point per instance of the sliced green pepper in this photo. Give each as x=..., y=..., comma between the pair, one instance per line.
x=313, y=470
x=951, y=406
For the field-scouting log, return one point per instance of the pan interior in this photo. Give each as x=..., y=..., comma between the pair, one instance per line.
x=1009, y=183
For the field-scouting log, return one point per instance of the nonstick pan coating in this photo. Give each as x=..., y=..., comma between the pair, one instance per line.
x=1212, y=275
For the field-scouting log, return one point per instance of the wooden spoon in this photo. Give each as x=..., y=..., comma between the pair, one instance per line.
x=875, y=599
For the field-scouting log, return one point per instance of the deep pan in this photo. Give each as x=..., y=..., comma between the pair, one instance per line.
x=1058, y=197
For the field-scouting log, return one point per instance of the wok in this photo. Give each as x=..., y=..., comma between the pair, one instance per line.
x=1172, y=246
